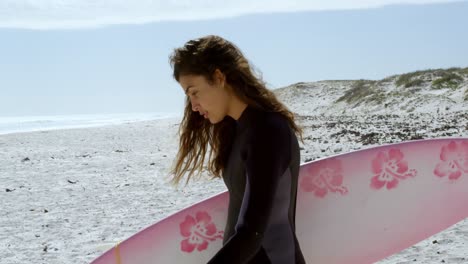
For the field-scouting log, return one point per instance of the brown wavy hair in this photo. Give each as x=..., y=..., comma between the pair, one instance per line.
x=198, y=136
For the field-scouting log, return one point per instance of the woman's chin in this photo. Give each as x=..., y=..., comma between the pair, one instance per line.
x=213, y=121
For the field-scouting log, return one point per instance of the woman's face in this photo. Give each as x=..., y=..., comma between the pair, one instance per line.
x=210, y=100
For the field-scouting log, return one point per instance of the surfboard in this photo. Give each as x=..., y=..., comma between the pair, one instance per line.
x=353, y=208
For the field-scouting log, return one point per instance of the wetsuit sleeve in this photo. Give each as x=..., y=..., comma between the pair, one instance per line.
x=267, y=157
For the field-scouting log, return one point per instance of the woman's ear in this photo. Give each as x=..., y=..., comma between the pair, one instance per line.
x=219, y=77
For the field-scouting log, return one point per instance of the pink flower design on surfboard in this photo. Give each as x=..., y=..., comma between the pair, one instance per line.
x=198, y=232
x=324, y=176
x=388, y=168
x=454, y=160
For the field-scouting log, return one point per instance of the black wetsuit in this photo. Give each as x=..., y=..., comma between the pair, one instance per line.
x=261, y=176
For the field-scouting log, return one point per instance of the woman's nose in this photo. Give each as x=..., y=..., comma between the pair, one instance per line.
x=194, y=106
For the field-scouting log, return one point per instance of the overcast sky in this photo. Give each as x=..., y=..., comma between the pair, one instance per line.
x=80, y=57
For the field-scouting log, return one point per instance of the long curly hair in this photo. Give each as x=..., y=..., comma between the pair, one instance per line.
x=198, y=136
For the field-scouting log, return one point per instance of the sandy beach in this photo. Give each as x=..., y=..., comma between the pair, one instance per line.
x=68, y=195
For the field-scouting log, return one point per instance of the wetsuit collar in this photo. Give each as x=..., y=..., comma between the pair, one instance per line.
x=244, y=117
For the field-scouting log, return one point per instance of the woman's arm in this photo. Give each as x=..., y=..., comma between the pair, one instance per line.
x=268, y=156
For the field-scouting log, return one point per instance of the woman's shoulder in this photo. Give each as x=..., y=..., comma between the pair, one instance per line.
x=272, y=122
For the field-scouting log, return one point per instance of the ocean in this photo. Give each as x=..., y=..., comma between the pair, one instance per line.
x=19, y=124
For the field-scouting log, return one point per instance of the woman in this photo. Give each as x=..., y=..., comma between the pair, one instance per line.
x=252, y=145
